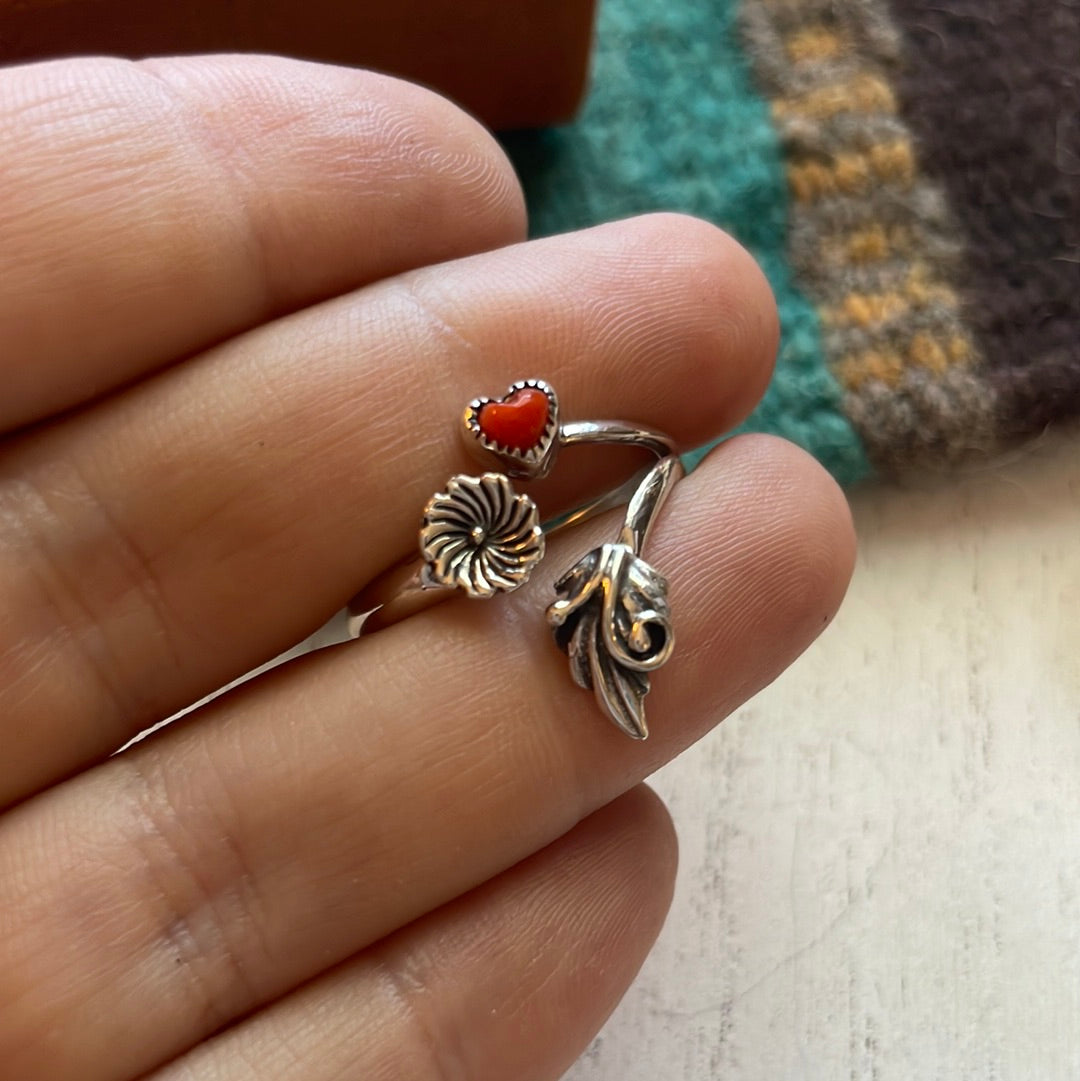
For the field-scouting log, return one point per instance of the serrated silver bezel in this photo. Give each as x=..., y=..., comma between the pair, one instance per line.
x=537, y=461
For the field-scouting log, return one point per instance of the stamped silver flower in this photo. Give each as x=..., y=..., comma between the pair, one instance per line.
x=480, y=536
x=613, y=620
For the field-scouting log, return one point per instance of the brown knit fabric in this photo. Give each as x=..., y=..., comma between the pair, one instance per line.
x=872, y=241
x=991, y=90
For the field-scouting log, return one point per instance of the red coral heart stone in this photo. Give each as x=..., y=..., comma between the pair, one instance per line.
x=518, y=421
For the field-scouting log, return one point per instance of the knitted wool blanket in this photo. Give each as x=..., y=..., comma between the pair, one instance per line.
x=908, y=174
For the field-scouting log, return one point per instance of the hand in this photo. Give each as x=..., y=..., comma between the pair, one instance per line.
x=243, y=301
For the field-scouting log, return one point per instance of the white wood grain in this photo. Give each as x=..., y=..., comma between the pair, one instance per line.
x=880, y=873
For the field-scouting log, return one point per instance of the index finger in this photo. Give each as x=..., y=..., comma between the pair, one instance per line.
x=149, y=210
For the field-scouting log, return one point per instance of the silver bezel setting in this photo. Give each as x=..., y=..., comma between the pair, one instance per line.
x=537, y=461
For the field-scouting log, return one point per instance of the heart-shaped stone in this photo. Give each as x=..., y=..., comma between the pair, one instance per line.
x=520, y=429
x=518, y=421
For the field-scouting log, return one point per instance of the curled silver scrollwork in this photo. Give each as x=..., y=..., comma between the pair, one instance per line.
x=480, y=536
x=613, y=620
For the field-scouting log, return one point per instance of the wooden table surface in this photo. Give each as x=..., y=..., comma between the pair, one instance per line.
x=880, y=854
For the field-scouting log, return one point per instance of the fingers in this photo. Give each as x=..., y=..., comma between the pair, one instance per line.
x=180, y=534
x=511, y=980
x=218, y=865
x=151, y=209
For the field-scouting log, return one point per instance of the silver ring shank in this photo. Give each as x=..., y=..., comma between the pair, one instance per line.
x=644, y=493
x=615, y=432
x=400, y=592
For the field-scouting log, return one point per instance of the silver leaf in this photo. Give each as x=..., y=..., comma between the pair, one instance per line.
x=613, y=620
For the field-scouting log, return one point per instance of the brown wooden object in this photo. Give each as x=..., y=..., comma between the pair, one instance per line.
x=514, y=63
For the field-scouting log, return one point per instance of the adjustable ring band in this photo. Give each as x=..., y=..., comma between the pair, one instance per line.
x=481, y=537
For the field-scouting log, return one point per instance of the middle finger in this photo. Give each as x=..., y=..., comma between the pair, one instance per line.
x=173, y=537
x=217, y=865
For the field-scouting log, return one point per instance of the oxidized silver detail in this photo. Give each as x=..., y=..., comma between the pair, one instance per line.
x=480, y=536
x=613, y=620
x=611, y=615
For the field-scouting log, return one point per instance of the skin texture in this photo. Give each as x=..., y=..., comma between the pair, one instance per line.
x=238, y=336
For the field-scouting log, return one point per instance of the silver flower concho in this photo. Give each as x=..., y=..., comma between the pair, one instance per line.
x=480, y=536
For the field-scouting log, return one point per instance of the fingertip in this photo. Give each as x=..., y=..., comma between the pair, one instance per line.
x=775, y=531
x=650, y=847
x=731, y=323
x=455, y=166
x=817, y=522
x=659, y=842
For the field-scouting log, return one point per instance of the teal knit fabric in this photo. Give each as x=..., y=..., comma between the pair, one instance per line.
x=673, y=123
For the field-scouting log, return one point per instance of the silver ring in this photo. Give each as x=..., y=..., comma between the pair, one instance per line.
x=480, y=537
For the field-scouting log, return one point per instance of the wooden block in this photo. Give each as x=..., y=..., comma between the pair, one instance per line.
x=513, y=63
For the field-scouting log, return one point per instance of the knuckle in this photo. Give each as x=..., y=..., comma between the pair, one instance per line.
x=113, y=623
x=200, y=893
